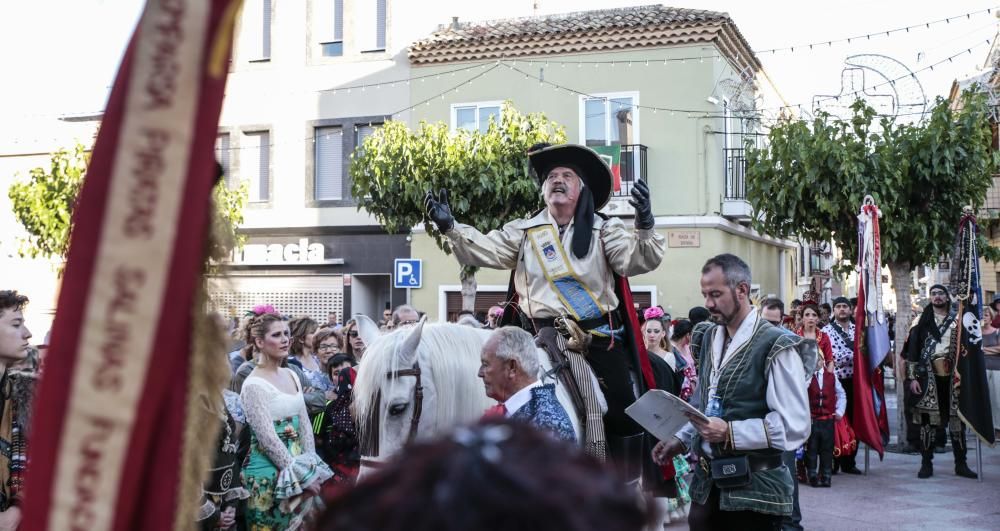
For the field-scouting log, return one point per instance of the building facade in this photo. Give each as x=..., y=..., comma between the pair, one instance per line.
x=309, y=81
x=666, y=88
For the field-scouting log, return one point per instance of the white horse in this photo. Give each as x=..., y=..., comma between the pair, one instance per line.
x=444, y=359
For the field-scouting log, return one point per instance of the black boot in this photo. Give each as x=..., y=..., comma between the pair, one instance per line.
x=627, y=455
x=962, y=469
x=926, y=464
x=961, y=466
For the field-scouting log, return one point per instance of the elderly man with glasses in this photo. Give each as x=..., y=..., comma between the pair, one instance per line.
x=405, y=315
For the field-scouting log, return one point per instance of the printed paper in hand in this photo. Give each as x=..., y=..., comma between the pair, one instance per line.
x=661, y=413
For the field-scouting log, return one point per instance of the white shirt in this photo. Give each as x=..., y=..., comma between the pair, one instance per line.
x=787, y=425
x=520, y=398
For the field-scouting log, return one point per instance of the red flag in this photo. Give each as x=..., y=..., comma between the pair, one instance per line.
x=111, y=407
x=867, y=423
x=868, y=416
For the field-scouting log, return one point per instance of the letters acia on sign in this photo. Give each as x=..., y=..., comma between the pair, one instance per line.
x=302, y=252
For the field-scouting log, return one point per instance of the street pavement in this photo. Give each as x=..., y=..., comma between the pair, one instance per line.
x=891, y=496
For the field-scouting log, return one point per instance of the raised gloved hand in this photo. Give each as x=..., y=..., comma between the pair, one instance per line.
x=439, y=211
x=643, y=208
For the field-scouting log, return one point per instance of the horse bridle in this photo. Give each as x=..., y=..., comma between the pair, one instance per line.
x=418, y=398
x=418, y=406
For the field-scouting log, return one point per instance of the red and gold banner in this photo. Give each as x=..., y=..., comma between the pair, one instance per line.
x=107, y=445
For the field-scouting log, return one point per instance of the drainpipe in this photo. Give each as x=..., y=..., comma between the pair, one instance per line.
x=782, y=270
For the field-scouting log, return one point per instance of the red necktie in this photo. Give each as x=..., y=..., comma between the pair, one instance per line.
x=498, y=410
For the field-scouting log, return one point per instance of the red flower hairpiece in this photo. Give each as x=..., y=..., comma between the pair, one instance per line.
x=653, y=313
x=261, y=309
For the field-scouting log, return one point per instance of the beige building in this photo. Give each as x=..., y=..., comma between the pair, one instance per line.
x=666, y=87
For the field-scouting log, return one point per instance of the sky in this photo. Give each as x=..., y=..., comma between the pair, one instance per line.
x=61, y=55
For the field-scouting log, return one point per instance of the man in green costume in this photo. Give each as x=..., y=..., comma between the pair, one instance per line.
x=752, y=388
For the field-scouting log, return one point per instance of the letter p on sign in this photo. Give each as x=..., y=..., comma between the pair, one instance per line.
x=408, y=273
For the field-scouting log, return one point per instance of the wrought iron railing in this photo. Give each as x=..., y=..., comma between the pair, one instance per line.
x=992, y=205
x=736, y=173
x=633, y=167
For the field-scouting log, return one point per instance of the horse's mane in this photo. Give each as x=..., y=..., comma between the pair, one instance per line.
x=448, y=352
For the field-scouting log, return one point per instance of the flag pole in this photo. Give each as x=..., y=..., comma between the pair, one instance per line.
x=867, y=456
x=979, y=458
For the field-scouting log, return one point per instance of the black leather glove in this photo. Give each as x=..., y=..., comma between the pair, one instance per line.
x=643, y=209
x=439, y=211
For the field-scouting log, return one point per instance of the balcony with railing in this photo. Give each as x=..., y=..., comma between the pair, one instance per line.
x=632, y=167
x=734, y=202
x=992, y=205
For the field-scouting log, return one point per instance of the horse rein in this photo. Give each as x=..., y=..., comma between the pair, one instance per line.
x=418, y=406
x=418, y=398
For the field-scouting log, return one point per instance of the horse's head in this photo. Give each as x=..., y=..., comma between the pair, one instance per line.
x=390, y=406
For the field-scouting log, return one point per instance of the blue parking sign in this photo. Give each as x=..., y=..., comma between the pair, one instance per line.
x=408, y=273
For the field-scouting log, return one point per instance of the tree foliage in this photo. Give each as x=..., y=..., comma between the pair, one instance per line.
x=810, y=178
x=227, y=218
x=486, y=174
x=43, y=204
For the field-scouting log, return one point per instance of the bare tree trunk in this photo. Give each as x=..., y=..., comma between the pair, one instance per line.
x=469, y=288
x=901, y=283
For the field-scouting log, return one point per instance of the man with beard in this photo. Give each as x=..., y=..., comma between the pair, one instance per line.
x=567, y=266
x=752, y=388
x=841, y=333
x=930, y=357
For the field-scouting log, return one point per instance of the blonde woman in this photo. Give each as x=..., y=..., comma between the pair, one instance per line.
x=654, y=333
x=283, y=472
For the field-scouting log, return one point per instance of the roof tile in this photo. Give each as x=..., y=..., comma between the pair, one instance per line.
x=583, y=31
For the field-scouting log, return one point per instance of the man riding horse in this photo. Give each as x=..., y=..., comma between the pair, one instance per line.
x=569, y=271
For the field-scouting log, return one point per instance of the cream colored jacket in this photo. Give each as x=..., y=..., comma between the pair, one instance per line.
x=613, y=248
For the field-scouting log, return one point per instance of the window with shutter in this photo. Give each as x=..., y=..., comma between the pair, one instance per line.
x=484, y=300
x=222, y=154
x=338, y=20
x=255, y=164
x=365, y=131
x=329, y=165
x=330, y=26
x=370, y=25
x=265, y=41
x=380, y=19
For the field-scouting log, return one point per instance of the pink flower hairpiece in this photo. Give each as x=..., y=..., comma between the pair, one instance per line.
x=653, y=313
x=261, y=309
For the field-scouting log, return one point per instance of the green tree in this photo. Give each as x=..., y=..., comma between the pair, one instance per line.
x=43, y=204
x=486, y=175
x=811, y=177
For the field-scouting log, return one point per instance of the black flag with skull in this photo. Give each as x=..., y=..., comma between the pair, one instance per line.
x=970, y=388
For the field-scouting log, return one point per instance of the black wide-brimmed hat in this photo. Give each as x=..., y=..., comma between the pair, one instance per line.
x=596, y=173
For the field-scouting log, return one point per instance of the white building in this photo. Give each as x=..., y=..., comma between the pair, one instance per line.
x=309, y=80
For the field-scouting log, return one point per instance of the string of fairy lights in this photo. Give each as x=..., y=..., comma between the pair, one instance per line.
x=480, y=69
x=483, y=69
